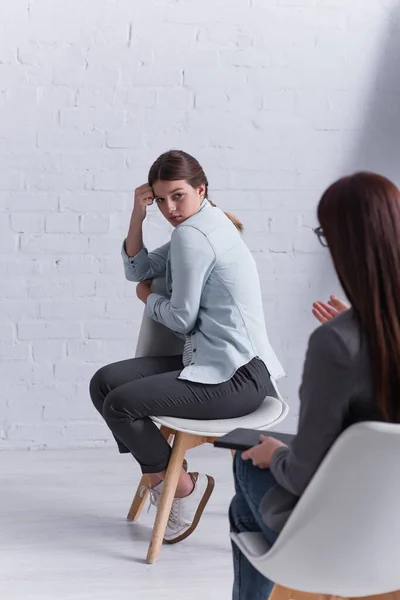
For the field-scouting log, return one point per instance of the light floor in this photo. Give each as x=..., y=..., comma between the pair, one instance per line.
x=64, y=534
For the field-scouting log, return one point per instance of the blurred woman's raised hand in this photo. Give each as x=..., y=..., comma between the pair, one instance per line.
x=325, y=311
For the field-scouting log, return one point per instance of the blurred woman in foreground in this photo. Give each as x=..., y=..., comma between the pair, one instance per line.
x=352, y=366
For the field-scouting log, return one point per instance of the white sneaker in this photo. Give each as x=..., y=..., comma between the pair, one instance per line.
x=154, y=493
x=186, y=512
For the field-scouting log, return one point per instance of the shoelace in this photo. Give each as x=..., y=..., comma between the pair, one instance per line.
x=174, y=514
x=154, y=496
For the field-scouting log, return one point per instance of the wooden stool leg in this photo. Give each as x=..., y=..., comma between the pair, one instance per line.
x=140, y=500
x=181, y=444
x=167, y=433
x=281, y=593
x=389, y=596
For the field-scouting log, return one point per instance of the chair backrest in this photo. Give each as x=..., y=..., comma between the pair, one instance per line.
x=155, y=339
x=343, y=537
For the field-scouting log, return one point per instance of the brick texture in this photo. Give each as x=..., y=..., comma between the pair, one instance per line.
x=275, y=97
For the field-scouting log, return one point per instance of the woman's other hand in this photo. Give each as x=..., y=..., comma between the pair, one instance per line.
x=261, y=455
x=144, y=197
x=143, y=290
x=324, y=312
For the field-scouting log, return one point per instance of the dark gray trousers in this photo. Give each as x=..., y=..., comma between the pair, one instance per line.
x=128, y=392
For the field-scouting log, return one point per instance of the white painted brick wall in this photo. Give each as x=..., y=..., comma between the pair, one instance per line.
x=275, y=97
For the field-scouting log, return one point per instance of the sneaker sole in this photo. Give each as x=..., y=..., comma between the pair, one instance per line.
x=199, y=512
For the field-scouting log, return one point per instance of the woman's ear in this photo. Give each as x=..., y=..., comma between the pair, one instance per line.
x=202, y=191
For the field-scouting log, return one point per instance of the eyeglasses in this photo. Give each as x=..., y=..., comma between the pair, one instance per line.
x=319, y=232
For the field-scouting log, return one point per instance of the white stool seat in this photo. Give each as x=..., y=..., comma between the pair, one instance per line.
x=272, y=411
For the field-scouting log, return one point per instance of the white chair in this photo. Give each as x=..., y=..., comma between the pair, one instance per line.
x=157, y=340
x=343, y=537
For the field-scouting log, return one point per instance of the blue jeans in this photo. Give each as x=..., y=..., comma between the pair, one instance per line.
x=251, y=484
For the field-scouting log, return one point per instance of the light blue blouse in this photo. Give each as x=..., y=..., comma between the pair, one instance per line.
x=213, y=295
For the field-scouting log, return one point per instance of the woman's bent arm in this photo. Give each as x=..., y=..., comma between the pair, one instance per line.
x=192, y=259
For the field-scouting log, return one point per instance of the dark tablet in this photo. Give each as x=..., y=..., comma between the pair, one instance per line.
x=243, y=439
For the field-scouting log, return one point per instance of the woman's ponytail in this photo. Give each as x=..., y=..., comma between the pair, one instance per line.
x=238, y=224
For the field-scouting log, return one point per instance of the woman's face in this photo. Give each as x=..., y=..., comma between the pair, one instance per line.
x=177, y=200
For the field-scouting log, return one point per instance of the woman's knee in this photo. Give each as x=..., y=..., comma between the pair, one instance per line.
x=235, y=511
x=241, y=517
x=240, y=468
x=119, y=406
x=111, y=406
x=251, y=478
x=99, y=387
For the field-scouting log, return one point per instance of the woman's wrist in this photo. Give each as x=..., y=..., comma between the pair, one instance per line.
x=134, y=239
x=143, y=291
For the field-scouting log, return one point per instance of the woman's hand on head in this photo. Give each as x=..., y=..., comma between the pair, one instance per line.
x=261, y=455
x=143, y=290
x=144, y=197
x=324, y=312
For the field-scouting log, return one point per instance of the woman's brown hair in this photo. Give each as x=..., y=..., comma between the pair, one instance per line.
x=360, y=217
x=177, y=165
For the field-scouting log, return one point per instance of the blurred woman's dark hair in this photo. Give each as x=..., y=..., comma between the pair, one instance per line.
x=360, y=218
x=177, y=165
